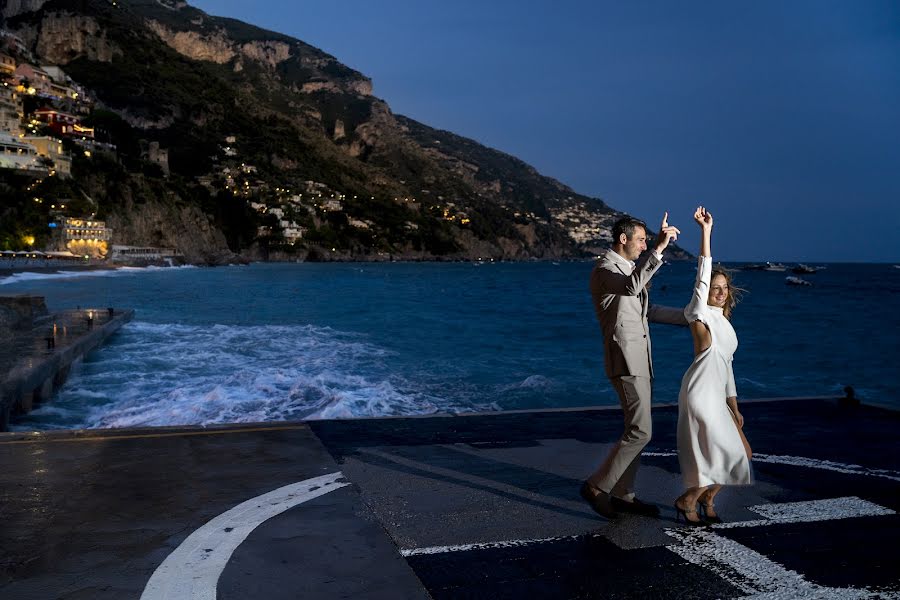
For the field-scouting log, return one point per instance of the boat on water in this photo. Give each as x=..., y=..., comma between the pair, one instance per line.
x=804, y=269
x=791, y=280
x=770, y=266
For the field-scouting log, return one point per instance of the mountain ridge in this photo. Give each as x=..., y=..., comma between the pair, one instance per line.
x=167, y=73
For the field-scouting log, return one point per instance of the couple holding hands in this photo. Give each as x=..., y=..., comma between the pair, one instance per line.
x=712, y=449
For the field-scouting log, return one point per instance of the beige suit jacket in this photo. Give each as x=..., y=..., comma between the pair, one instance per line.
x=623, y=308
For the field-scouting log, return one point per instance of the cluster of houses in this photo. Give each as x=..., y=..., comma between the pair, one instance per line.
x=583, y=224
x=39, y=106
x=450, y=212
x=310, y=199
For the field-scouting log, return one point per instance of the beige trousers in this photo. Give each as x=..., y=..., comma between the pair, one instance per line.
x=616, y=475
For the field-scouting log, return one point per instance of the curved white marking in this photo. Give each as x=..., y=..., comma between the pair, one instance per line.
x=192, y=570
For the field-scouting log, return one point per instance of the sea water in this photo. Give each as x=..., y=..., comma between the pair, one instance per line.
x=269, y=342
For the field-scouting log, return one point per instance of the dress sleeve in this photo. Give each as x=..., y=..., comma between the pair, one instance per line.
x=697, y=309
x=730, y=387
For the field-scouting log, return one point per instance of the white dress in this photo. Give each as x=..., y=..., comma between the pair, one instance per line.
x=710, y=449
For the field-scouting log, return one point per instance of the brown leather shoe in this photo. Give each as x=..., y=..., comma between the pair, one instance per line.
x=634, y=507
x=599, y=500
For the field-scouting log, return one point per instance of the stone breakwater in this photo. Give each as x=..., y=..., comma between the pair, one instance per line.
x=39, y=349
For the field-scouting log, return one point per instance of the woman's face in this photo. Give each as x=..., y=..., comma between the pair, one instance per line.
x=718, y=291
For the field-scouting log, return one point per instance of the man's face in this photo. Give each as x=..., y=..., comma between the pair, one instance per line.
x=632, y=248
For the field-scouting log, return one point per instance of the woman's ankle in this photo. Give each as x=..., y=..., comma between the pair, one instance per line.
x=685, y=503
x=707, y=498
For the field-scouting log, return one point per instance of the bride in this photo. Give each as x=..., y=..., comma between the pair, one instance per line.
x=712, y=449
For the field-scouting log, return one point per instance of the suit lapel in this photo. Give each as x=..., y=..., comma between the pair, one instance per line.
x=644, y=295
x=620, y=267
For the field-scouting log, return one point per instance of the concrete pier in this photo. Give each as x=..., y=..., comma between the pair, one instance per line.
x=35, y=358
x=477, y=506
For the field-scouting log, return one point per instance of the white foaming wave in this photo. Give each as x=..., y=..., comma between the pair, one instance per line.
x=166, y=374
x=26, y=276
x=531, y=382
x=753, y=382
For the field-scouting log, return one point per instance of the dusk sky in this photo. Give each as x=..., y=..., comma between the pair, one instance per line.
x=782, y=117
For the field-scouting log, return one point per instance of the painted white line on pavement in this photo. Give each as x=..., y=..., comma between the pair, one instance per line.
x=491, y=545
x=788, y=512
x=192, y=570
x=813, y=463
x=810, y=463
x=762, y=578
x=750, y=571
x=747, y=570
x=811, y=511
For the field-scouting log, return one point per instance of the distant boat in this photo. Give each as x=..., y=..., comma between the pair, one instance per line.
x=774, y=267
x=804, y=269
x=791, y=280
x=897, y=266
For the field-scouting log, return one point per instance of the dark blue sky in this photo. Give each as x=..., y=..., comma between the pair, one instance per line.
x=783, y=117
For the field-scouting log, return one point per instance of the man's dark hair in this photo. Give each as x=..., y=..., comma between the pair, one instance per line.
x=627, y=226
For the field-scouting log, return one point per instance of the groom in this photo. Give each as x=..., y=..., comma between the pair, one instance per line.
x=619, y=290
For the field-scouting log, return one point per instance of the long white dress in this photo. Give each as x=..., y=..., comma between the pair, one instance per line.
x=710, y=449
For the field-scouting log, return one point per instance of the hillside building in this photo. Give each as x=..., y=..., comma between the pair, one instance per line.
x=52, y=149
x=292, y=232
x=13, y=43
x=63, y=123
x=19, y=155
x=10, y=111
x=151, y=152
x=143, y=254
x=7, y=64
x=81, y=236
x=33, y=78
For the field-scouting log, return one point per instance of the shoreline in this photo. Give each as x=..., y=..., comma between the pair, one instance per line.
x=8, y=271
x=82, y=431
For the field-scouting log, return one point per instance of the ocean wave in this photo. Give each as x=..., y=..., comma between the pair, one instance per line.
x=752, y=382
x=27, y=276
x=171, y=374
x=531, y=382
